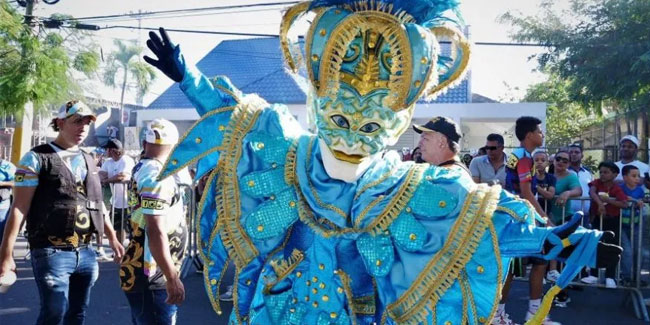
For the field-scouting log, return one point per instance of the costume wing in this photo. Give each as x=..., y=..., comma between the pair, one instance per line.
x=246, y=147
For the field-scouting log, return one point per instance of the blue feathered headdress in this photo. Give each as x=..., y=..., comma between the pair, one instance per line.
x=421, y=10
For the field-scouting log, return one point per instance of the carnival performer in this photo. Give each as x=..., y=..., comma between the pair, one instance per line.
x=330, y=228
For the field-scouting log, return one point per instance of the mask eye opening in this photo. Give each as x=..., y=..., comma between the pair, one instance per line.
x=340, y=121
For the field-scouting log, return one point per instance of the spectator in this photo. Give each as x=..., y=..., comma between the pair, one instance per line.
x=490, y=168
x=519, y=176
x=481, y=152
x=567, y=186
x=416, y=155
x=584, y=176
x=467, y=159
x=52, y=178
x=543, y=182
x=607, y=200
x=551, y=164
x=628, y=148
x=634, y=190
x=149, y=273
x=439, y=143
x=116, y=171
x=7, y=172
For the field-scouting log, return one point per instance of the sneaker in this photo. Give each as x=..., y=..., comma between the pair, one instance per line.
x=502, y=319
x=562, y=300
x=546, y=321
x=589, y=280
x=226, y=296
x=552, y=275
x=610, y=283
x=100, y=255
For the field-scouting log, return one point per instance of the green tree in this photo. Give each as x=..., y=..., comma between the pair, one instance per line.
x=602, y=47
x=40, y=68
x=565, y=119
x=123, y=64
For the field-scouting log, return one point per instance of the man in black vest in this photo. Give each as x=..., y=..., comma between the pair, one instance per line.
x=58, y=192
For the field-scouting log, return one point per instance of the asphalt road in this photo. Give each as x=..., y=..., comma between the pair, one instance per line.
x=109, y=306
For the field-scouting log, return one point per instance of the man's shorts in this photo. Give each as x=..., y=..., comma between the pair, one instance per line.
x=120, y=217
x=519, y=264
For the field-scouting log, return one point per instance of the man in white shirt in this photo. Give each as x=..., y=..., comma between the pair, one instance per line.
x=628, y=148
x=584, y=176
x=116, y=171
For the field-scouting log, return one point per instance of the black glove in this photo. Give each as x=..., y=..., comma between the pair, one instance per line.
x=167, y=60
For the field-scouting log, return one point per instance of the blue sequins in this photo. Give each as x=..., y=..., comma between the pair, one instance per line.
x=431, y=201
x=377, y=253
x=273, y=217
x=408, y=233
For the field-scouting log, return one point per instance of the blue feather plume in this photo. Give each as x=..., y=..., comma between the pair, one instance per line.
x=421, y=10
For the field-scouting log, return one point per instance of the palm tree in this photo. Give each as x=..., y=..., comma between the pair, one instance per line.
x=125, y=61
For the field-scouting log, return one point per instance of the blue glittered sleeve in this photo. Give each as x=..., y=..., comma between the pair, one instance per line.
x=208, y=94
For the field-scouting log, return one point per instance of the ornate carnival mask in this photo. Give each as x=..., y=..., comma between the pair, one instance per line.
x=368, y=62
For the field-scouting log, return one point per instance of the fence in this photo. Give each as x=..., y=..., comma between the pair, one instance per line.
x=632, y=238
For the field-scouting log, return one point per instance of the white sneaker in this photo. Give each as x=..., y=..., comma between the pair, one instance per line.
x=589, y=280
x=610, y=283
x=100, y=255
x=553, y=275
x=502, y=319
x=546, y=321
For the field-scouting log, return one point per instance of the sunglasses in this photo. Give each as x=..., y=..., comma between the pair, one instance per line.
x=491, y=148
x=560, y=159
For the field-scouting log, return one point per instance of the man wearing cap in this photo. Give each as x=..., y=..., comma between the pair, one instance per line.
x=116, y=171
x=628, y=149
x=149, y=274
x=439, y=143
x=58, y=192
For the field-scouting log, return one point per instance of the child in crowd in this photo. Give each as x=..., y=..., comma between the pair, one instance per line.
x=543, y=182
x=607, y=200
x=634, y=190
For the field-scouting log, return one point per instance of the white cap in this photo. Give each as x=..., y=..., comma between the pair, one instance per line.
x=630, y=138
x=72, y=108
x=161, y=131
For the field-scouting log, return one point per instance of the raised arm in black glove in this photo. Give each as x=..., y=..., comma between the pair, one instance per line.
x=170, y=60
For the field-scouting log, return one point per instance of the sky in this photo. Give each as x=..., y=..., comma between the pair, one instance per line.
x=498, y=72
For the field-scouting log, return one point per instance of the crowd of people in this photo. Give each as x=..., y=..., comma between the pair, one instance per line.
x=557, y=185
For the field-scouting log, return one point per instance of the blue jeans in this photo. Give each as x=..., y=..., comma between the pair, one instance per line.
x=64, y=279
x=148, y=307
x=4, y=213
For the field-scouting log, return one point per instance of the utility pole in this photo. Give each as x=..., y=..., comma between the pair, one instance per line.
x=22, y=138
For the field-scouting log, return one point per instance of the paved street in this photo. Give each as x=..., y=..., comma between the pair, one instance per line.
x=109, y=306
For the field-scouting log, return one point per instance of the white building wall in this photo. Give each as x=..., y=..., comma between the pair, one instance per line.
x=477, y=120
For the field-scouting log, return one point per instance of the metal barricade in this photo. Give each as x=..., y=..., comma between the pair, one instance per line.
x=192, y=254
x=635, y=238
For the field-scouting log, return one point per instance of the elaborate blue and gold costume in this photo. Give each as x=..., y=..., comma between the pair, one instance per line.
x=328, y=228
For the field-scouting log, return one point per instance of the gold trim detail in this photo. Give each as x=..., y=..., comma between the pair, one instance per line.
x=390, y=28
x=290, y=164
x=379, y=224
x=290, y=16
x=444, y=268
x=468, y=296
x=458, y=40
x=345, y=282
x=364, y=305
x=283, y=268
x=214, y=301
x=174, y=162
x=233, y=236
x=374, y=183
x=497, y=257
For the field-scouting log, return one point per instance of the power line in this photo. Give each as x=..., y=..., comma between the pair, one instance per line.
x=168, y=16
x=275, y=35
x=151, y=13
